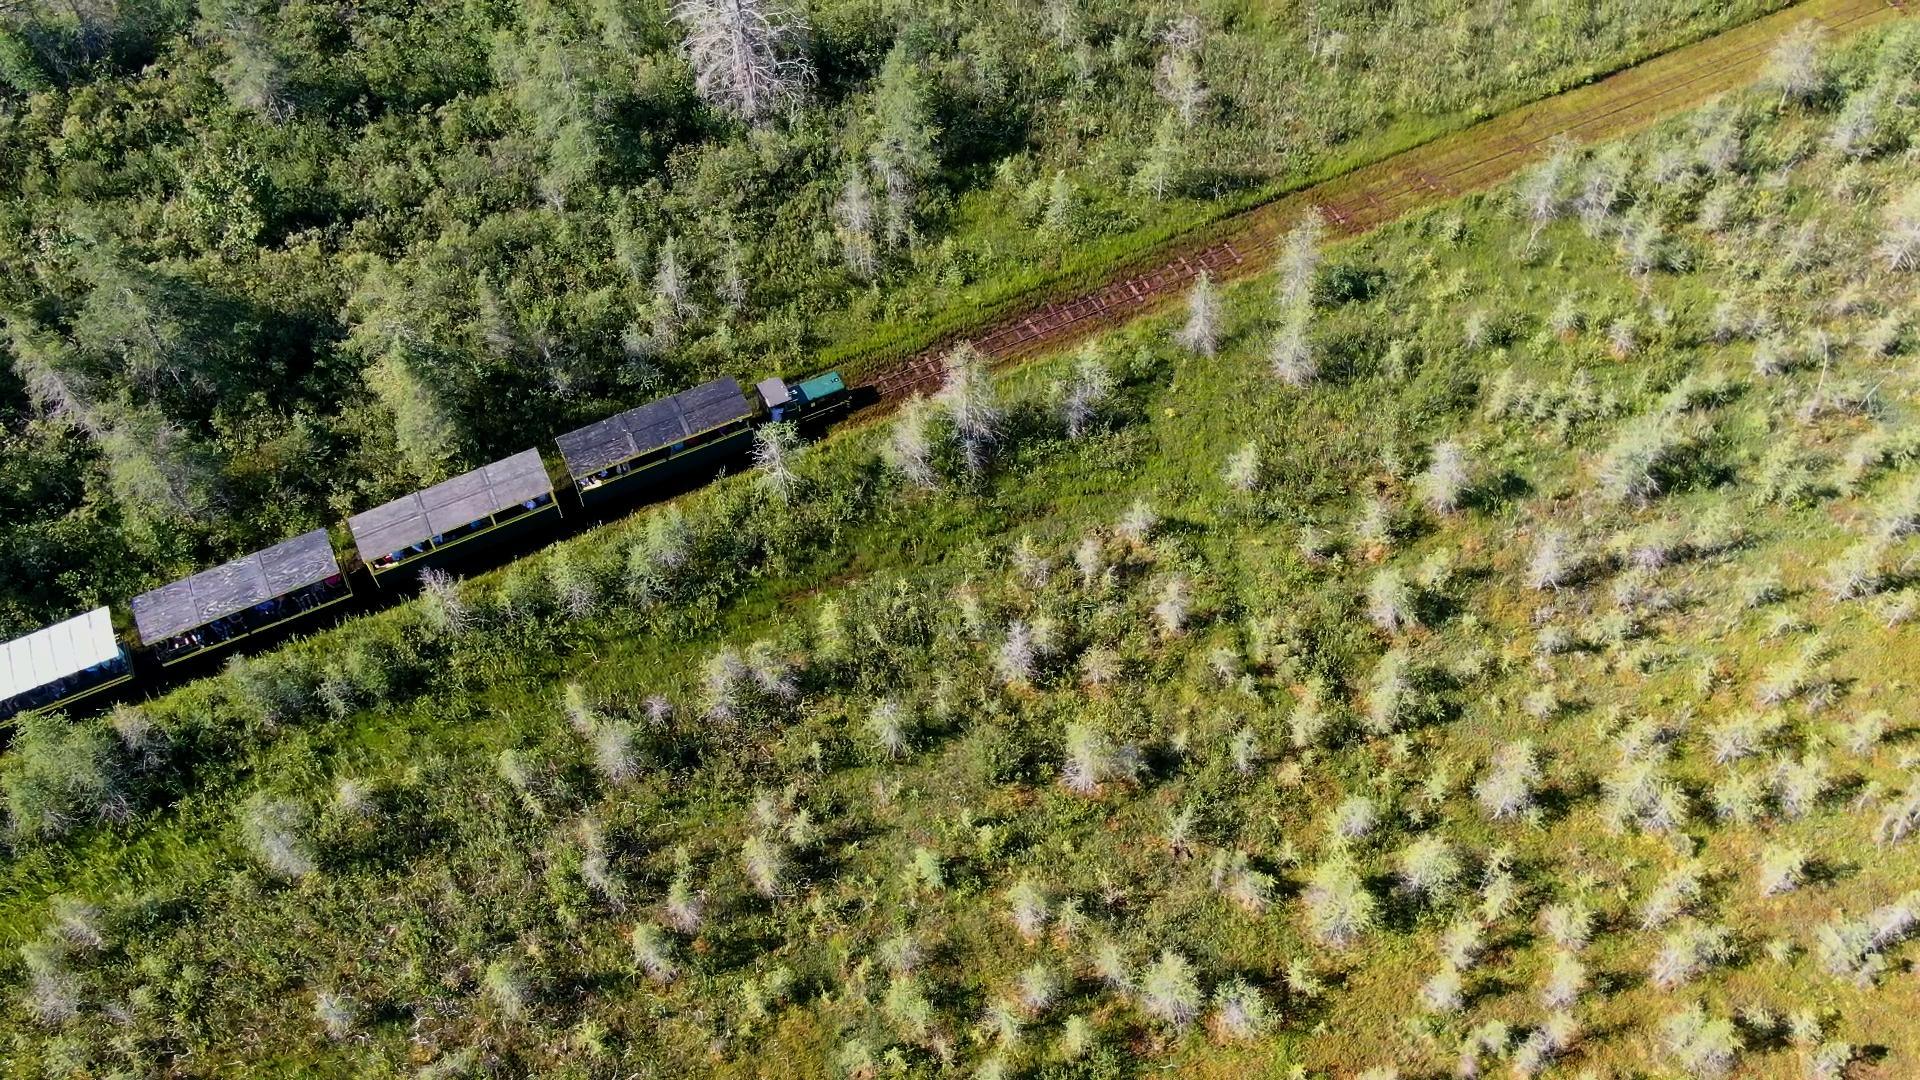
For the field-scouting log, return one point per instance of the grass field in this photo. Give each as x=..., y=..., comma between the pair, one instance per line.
x=1142, y=750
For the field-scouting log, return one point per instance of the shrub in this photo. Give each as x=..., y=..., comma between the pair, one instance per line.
x=967, y=396
x=1737, y=737
x=1030, y=567
x=1447, y=479
x=1647, y=457
x=902, y=953
x=908, y=1005
x=596, y=866
x=1109, y=964
x=77, y=923
x=1622, y=336
x=776, y=447
x=1248, y=888
x=1739, y=798
x=653, y=953
x=1339, y=907
x=1170, y=991
x=520, y=774
x=60, y=774
x=1507, y=791
x=1551, y=565
x=1673, y=897
x=1201, y=333
x=1027, y=905
x=1686, y=952
x=1829, y=1061
x=1429, y=868
x=685, y=906
x=657, y=560
x=52, y=995
x=1243, y=750
x=1566, y=980
x=1086, y=393
x=1569, y=924
x=1374, y=527
x=1462, y=942
x=1137, y=525
x=909, y=447
x=506, y=982
x=1354, y=817
x=1093, y=760
x=1641, y=795
x=887, y=723
x=1390, y=602
x=1444, y=993
x=1299, y=261
x=1180, y=832
x=1242, y=472
x=338, y=1014
x=1856, y=573
x=1793, y=66
x=765, y=860
x=1855, y=948
x=274, y=831
x=1017, y=659
x=725, y=679
x=1800, y=784
x=1293, y=357
x=772, y=674
x=1039, y=988
x=576, y=587
x=1781, y=868
x=1899, y=821
x=1240, y=1011
x=925, y=869
x=1315, y=544
x=1170, y=612
x=615, y=755
x=1900, y=240
x=1899, y=513
x=442, y=606
x=1702, y=1047
x=1389, y=698
x=1308, y=724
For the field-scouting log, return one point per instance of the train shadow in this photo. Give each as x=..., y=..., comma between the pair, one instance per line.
x=371, y=594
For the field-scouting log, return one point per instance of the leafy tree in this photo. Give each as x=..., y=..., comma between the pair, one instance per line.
x=902, y=153
x=427, y=435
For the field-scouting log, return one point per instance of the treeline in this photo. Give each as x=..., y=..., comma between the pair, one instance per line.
x=263, y=264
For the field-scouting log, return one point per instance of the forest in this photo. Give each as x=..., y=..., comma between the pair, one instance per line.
x=265, y=264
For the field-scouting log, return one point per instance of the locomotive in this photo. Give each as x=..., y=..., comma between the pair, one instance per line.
x=620, y=459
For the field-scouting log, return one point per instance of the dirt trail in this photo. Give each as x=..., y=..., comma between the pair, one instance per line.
x=1472, y=159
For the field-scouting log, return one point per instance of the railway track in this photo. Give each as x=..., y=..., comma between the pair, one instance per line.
x=1474, y=159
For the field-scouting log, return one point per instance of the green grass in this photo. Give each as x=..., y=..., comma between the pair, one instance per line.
x=216, y=961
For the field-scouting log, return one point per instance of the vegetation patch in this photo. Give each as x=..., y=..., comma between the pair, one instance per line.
x=1521, y=684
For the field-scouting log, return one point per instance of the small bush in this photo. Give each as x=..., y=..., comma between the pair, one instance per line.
x=275, y=832
x=1170, y=991
x=1339, y=907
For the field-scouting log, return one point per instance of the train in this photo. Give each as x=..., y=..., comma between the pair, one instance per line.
x=610, y=462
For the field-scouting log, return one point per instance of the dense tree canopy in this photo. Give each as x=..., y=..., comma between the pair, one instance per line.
x=265, y=263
